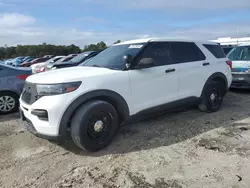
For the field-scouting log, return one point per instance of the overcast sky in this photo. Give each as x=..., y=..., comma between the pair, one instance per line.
x=82, y=22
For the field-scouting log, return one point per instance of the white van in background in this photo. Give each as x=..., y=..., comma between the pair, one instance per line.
x=240, y=57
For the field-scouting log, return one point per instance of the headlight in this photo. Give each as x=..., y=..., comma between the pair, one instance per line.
x=57, y=89
x=247, y=70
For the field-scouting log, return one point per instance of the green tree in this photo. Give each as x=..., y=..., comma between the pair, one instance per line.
x=37, y=50
x=101, y=45
x=92, y=47
x=119, y=41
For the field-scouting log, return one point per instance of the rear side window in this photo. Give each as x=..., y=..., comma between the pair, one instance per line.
x=216, y=50
x=182, y=52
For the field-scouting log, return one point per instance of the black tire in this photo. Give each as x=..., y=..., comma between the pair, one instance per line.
x=88, y=117
x=15, y=97
x=213, y=90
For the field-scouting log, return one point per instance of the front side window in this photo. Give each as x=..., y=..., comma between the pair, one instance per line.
x=240, y=53
x=112, y=57
x=159, y=52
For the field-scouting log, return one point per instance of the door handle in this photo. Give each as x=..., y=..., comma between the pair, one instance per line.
x=169, y=70
x=206, y=64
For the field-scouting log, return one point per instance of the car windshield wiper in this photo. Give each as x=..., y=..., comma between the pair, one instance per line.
x=97, y=66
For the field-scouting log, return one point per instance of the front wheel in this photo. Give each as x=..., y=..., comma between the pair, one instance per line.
x=212, y=97
x=8, y=102
x=94, y=125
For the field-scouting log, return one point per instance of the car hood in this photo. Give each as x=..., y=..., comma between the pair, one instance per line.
x=68, y=75
x=22, y=70
x=240, y=66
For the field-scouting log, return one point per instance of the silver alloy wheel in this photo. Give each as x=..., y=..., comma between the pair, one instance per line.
x=7, y=103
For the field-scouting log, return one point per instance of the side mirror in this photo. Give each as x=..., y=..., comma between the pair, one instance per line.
x=127, y=60
x=145, y=63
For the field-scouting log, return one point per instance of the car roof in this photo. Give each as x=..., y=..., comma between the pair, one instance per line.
x=58, y=56
x=88, y=52
x=245, y=44
x=162, y=40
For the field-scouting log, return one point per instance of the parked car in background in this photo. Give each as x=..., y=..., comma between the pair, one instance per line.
x=49, y=56
x=34, y=61
x=28, y=60
x=11, y=84
x=61, y=61
x=6, y=62
x=227, y=49
x=1, y=62
x=77, y=60
x=17, y=61
x=240, y=57
x=40, y=67
x=139, y=77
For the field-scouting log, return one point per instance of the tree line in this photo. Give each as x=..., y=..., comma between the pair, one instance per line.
x=47, y=49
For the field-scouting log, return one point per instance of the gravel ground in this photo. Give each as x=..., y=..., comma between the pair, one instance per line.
x=180, y=149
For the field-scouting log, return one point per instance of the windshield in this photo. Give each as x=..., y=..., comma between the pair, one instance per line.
x=86, y=61
x=112, y=57
x=79, y=58
x=63, y=60
x=240, y=53
x=54, y=60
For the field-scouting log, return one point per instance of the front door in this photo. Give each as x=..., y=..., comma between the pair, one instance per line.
x=155, y=85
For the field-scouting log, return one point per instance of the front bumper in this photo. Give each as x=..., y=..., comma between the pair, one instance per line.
x=30, y=127
x=240, y=80
x=54, y=106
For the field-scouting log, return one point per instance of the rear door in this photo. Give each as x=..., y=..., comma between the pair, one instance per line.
x=156, y=85
x=190, y=61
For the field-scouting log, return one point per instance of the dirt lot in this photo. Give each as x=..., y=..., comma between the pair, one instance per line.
x=180, y=149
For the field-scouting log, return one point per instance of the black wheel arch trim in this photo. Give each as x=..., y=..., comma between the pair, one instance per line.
x=212, y=77
x=106, y=95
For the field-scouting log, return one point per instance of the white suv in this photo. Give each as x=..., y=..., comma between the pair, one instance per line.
x=131, y=78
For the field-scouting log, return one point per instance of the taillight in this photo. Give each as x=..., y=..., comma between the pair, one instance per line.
x=22, y=77
x=42, y=69
x=229, y=64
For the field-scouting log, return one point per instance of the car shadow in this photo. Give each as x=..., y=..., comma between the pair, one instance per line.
x=9, y=117
x=171, y=128
x=241, y=91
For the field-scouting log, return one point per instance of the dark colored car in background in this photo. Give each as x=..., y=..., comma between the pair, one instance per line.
x=11, y=85
x=77, y=60
x=34, y=61
x=61, y=61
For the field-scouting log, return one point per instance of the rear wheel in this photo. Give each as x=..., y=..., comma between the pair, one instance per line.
x=94, y=125
x=8, y=102
x=212, y=97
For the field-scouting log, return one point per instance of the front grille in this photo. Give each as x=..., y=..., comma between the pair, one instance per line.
x=240, y=75
x=29, y=94
x=239, y=69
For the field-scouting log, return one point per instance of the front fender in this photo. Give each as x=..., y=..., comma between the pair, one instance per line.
x=107, y=95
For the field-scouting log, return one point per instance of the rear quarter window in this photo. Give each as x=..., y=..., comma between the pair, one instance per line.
x=216, y=50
